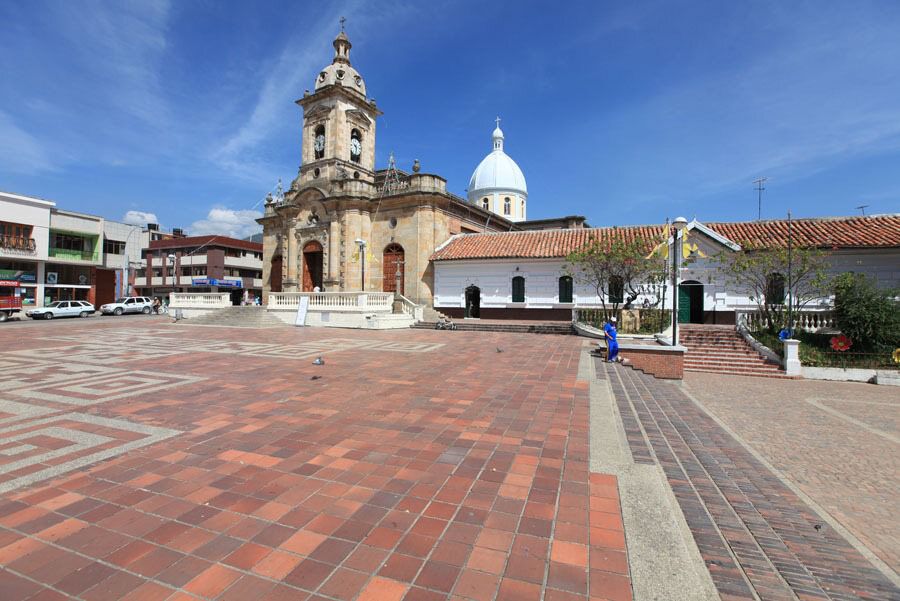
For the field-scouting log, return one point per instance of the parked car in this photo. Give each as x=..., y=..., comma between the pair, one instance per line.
x=62, y=309
x=128, y=304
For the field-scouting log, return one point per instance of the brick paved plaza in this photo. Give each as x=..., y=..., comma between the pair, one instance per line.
x=145, y=460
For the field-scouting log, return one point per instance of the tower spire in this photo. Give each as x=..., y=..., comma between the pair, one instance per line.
x=498, y=136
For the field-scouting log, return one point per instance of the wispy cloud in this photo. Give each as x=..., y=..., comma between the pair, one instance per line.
x=139, y=218
x=227, y=222
x=20, y=152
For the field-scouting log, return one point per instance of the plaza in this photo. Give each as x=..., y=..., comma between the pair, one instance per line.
x=141, y=459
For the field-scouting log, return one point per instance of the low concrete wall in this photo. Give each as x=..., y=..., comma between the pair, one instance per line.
x=838, y=374
x=336, y=319
x=658, y=360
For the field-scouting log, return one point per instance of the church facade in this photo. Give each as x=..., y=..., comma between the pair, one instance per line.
x=345, y=226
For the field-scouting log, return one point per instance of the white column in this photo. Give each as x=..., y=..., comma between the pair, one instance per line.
x=792, y=357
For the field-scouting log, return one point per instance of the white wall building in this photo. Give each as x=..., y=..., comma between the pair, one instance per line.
x=521, y=275
x=24, y=242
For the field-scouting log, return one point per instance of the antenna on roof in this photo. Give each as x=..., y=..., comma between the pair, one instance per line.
x=759, y=190
x=863, y=209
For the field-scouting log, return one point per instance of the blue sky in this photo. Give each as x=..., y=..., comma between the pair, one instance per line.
x=625, y=112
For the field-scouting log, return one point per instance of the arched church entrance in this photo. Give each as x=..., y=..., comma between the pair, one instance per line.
x=473, y=301
x=275, y=274
x=690, y=302
x=392, y=266
x=312, y=265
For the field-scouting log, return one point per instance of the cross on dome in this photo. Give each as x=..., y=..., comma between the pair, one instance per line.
x=498, y=136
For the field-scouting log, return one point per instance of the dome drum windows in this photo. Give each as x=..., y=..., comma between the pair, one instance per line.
x=507, y=206
x=485, y=204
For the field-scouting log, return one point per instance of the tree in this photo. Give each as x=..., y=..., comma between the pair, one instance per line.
x=617, y=270
x=868, y=316
x=762, y=274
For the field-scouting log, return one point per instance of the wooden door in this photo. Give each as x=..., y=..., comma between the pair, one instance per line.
x=275, y=274
x=312, y=266
x=684, y=304
x=392, y=265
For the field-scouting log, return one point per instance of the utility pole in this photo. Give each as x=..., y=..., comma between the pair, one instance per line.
x=790, y=250
x=759, y=190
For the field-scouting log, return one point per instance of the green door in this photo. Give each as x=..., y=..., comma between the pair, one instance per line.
x=684, y=305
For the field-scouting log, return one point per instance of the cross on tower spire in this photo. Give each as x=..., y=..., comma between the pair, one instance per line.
x=343, y=20
x=498, y=121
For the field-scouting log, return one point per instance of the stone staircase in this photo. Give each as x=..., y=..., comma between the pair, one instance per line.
x=237, y=317
x=476, y=325
x=720, y=349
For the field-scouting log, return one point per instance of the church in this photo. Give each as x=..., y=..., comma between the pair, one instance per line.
x=346, y=226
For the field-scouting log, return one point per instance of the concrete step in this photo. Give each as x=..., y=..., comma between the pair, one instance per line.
x=237, y=317
x=494, y=327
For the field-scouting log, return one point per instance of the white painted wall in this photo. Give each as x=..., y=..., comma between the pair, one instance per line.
x=27, y=211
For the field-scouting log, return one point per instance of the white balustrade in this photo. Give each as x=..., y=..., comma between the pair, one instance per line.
x=806, y=320
x=381, y=302
x=199, y=300
x=411, y=309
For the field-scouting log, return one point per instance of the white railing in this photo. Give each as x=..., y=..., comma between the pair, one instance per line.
x=807, y=320
x=334, y=301
x=199, y=300
x=411, y=309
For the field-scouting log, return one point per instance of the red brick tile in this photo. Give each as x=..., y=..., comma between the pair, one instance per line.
x=401, y=567
x=516, y=590
x=277, y=564
x=487, y=560
x=309, y=574
x=569, y=553
x=438, y=576
x=212, y=581
x=383, y=589
x=303, y=542
x=344, y=584
x=606, y=585
x=247, y=556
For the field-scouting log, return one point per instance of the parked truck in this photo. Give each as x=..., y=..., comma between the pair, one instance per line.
x=9, y=305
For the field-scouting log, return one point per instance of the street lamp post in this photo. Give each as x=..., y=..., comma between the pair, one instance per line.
x=362, y=259
x=126, y=261
x=679, y=224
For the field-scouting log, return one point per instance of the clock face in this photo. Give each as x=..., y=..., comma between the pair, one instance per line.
x=355, y=147
x=320, y=143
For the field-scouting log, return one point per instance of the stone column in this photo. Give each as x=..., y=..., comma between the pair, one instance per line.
x=291, y=282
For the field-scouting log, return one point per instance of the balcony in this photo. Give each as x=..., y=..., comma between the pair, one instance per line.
x=17, y=243
x=68, y=254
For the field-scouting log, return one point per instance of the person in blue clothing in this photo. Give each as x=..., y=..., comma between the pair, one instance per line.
x=611, y=343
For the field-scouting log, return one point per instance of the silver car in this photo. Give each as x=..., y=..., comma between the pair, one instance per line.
x=62, y=309
x=128, y=304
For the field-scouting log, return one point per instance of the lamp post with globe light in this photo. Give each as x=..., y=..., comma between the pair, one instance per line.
x=679, y=224
x=362, y=259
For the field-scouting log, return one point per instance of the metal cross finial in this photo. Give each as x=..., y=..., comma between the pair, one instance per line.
x=498, y=121
x=343, y=20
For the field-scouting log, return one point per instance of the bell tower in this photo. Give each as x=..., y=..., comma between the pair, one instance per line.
x=338, y=139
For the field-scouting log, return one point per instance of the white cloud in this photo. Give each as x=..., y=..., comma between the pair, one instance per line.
x=227, y=222
x=21, y=152
x=139, y=218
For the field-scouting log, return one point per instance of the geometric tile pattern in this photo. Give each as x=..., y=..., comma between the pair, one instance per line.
x=48, y=447
x=759, y=539
x=111, y=384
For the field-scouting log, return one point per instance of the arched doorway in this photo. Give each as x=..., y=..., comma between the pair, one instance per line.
x=473, y=301
x=392, y=265
x=690, y=302
x=312, y=266
x=275, y=274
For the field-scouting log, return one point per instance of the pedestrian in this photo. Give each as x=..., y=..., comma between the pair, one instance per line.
x=612, y=344
x=156, y=305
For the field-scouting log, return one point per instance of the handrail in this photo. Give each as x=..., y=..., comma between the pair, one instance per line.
x=417, y=312
x=807, y=320
x=199, y=300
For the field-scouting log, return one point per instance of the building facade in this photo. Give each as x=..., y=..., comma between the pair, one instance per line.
x=345, y=226
x=180, y=263
x=24, y=244
x=523, y=275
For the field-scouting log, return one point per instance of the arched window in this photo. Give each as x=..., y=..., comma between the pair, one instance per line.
x=518, y=289
x=565, y=289
x=775, y=289
x=485, y=204
x=319, y=142
x=616, y=289
x=355, y=145
x=522, y=203
x=507, y=206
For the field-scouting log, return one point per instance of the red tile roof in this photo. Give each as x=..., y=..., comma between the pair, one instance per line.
x=537, y=244
x=880, y=231
x=876, y=231
x=193, y=241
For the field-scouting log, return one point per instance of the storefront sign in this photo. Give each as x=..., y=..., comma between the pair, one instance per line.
x=215, y=282
x=16, y=275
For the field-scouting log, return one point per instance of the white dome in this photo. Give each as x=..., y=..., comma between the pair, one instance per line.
x=497, y=172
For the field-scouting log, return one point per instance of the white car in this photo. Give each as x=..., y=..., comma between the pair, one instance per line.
x=62, y=309
x=128, y=304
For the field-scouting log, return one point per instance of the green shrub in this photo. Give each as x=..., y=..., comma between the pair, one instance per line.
x=869, y=316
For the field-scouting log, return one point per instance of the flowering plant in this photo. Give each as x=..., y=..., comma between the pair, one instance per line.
x=896, y=355
x=840, y=343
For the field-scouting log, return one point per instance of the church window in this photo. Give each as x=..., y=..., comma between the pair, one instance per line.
x=616, y=289
x=518, y=289
x=522, y=204
x=319, y=142
x=565, y=289
x=507, y=206
x=485, y=204
x=355, y=145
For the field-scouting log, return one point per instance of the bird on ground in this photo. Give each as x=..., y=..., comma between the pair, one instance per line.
x=499, y=350
x=319, y=361
x=316, y=378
